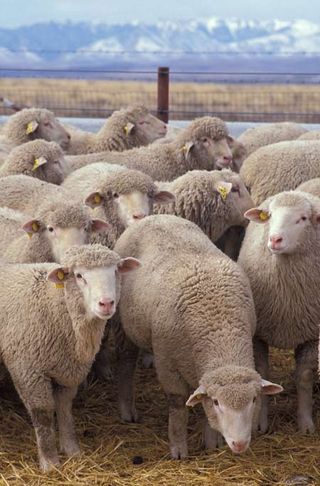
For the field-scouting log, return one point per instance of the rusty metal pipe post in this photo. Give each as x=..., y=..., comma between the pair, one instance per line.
x=163, y=94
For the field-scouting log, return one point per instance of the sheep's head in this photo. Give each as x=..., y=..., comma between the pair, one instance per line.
x=231, y=400
x=205, y=140
x=96, y=271
x=63, y=224
x=32, y=123
x=40, y=159
x=131, y=194
x=292, y=221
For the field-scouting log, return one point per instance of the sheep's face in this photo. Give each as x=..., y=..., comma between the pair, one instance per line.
x=233, y=409
x=100, y=286
x=149, y=128
x=290, y=219
x=50, y=129
x=239, y=153
x=60, y=239
x=214, y=154
x=52, y=170
x=239, y=197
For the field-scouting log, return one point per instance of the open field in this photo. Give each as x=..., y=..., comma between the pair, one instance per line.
x=233, y=102
x=282, y=457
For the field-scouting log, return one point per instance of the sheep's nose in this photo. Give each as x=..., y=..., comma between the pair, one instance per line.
x=239, y=446
x=275, y=240
x=106, y=306
x=138, y=216
x=227, y=158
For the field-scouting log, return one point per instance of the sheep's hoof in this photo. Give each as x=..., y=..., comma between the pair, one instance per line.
x=147, y=360
x=47, y=465
x=70, y=449
x=179, y=451
x=306, y=425
x=130, y=416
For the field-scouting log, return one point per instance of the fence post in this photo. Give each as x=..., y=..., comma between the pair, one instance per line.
x=163, y=94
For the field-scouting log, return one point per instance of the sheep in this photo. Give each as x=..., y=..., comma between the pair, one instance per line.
x=281, y=258
x=198, y=318
x=202, y=145
x=38, y=158
x=49, y=336
x=312, y=135
x=268, y=134
x=124, y=129
x=122, y=197
x=311, y=186
x=25, y=193
x=57, y=226
x=214, y=200
x=280, y=167
x=32, y=123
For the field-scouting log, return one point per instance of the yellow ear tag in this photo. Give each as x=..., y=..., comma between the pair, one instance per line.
x=126, y=129
x=35, y=227
x=36, y=164
x=263, y=216
x=184, y=148
x=29, y=128
x=30, y=235
x=97, y=199
x=223, y=192
x=59, y=285
x=60, y=275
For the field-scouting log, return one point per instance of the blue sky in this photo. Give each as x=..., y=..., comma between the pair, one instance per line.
x=20, y=12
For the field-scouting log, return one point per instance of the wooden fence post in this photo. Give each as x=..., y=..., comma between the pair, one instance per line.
x=163, y=94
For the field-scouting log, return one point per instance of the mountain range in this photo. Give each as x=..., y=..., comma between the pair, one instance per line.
x=213, y=44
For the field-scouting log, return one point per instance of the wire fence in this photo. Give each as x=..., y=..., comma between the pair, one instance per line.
x=247, y=96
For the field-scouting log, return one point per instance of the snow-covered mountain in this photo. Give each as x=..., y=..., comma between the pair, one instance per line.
x=197, y=43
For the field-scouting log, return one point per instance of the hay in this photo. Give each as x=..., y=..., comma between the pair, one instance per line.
x=279, y=458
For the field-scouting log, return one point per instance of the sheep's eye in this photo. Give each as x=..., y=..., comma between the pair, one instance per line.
x=56, y=162
x=235, y=189
x=78, y=275
x=115, y=195
x=205, y=139
x=50, y=229
x=304, y=218
x=216, y=403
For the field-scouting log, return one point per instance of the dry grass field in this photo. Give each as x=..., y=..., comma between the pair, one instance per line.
x=282, y=457
x=234, y=102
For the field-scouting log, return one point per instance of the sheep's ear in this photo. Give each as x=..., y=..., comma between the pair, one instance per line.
x=257, y=215
x=187, y=148
x=31, y=127
x=128, y=128
x=128, y=264
x=58, y=276
x=223, y=189
x=99, y=226
x=94, y=200
x=197, y=396
x=32, y=226
x=38, y=162
x=269, y=388
x=164, y=197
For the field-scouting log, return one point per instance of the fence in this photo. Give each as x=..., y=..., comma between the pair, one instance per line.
x=257, y=97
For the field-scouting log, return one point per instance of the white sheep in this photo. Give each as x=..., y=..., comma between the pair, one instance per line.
x=50, y=336
x=281, y=258
x=198, y=317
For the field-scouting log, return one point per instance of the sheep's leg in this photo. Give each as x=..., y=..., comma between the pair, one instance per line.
x=212, y=438
x=67, y=435
x=177, y=428
x=127, y=354
x=101, y=366
x=261, y=352
x=38, y=399
x=306, y=362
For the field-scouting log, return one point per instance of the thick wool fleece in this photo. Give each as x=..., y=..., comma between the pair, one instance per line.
x=284, y=286
x=15, y=127
x=23, y=249
x=280, y=167
x=10, y=224
x=112, y=135
x=312, y=135
x=165, y=162
x=197, y=199
x=312, y=186
x=198, y=313
x=257, y=137
x=22, y=158
x=89, y=256
x=26, y=194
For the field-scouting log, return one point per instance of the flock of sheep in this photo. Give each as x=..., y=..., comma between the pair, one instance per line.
x=141, y=225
